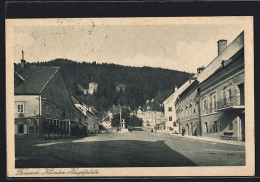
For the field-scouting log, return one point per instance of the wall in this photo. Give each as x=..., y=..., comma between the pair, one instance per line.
x=29, y=119
x=93, y=124
x=225, y=80
x=56, y=95
x=187, y=109
x=31, y=105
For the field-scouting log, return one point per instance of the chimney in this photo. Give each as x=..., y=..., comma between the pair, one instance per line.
x=222, y=45
x=222, y=64
x=175, y=88
x=22, y=61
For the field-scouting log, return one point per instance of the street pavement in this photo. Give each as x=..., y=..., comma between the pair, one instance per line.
x=131, y=149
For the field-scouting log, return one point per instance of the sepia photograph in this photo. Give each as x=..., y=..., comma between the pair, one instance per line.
x=168, y=96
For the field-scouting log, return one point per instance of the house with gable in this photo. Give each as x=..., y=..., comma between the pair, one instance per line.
x=43, y=107
x=86, y=116
x=151, y=114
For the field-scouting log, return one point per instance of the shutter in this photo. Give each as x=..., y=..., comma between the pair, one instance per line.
x=25, y=128
x=16, y=129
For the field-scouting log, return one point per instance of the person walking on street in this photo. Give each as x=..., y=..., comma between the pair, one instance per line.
x=183, y=131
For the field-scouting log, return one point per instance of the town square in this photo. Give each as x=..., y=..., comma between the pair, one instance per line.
x=129, y=93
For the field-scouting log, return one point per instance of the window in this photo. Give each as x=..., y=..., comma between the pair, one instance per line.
x=227, y=93
x=170, y=118
x=174, y=123
x=20, y=108
x=205, y=104
x=170, y=109
x=231, y=125
x=47, y=109
x=20, y=128
x=57, y=111
x=194, y=110
x=214, y=101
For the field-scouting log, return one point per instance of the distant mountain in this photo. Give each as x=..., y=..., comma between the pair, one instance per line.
x=124, y=85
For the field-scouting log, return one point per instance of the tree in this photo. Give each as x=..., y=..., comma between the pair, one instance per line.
x=134, y=121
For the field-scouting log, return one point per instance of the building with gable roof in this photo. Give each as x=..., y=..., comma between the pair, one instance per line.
x=151, y=114
x=43, y=106
x=87, y=116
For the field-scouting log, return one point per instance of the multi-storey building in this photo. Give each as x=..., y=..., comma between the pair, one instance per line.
x=187, y=107
x=170, y=113
x=43, y=106
x=212, y=103
x=151, y=113
x=221, y=87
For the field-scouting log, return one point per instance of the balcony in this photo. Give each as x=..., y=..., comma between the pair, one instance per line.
x=232, y=102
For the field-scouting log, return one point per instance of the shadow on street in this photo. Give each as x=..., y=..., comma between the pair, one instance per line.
x=113, y=153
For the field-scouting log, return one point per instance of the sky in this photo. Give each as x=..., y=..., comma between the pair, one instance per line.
x=173, y=43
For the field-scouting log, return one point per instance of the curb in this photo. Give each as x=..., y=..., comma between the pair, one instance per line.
x=206, y=139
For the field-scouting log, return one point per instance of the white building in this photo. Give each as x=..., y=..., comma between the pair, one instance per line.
x=170, y=113
x=151, y=113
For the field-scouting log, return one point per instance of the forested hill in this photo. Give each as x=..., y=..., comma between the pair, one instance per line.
x=141, y=83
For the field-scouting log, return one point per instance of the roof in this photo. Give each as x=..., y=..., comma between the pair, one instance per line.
x=106, y=118
x=152, y=106
x=172, y=97
x=231, y=49
x=74, y=100
x=35, y=79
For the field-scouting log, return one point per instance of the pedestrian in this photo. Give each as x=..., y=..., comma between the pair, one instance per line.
x=183, y=131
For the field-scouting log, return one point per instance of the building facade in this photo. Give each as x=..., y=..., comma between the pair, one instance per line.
x=151, y=113
x=171, y=123
x=222, y=93
x=43, y=106
x=212, y=102
x=187, y=108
